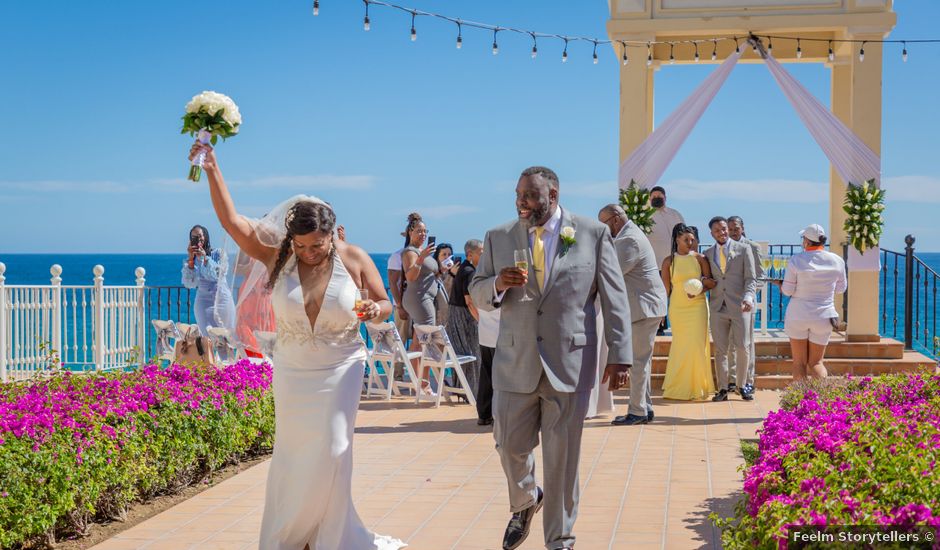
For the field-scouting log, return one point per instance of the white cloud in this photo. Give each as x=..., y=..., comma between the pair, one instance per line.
x=323, y=181
x=920, y=189
x=442, y=211
x=758, y=190
x=64, y=186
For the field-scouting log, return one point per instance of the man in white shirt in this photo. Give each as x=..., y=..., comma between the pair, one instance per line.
x=660, y=237
x=736, y=232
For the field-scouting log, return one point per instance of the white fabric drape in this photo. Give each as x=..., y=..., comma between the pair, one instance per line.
x=849, y=155
x=649, y=161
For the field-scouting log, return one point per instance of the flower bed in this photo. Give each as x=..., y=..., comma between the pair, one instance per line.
x=843, y=452
x=78, y=448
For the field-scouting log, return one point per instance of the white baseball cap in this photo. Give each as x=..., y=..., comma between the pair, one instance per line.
x=813, y=232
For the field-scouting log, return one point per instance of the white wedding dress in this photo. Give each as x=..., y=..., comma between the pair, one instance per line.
x=317, y=381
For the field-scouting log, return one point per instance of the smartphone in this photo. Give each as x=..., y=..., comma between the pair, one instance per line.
x=194, y=240
x=432, y=240
x=457, y=260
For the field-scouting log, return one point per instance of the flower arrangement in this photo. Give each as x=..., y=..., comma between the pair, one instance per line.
x=567, y=238
x=636, y=203
x=78, y=448
x=863, y=206
x=208, y=117
x=843, y=452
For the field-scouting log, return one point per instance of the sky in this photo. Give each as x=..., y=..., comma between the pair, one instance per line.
x=92, y=160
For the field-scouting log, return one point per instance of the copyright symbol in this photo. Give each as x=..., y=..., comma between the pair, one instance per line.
x=929, y=536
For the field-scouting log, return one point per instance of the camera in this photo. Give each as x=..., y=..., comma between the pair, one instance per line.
x=195, y=240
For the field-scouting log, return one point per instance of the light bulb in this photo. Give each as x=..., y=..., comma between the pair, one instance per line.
x=316, y=7
x=649, y=59
x=535, y=51
x=714, y=55
x=799, y=53
x=672, y=59
x=459, y=42
x=696, y=57
x=770, y=46
x=595, y=59
x=495, y=48
x=625, y=60
x=861, y=55
x=414, y=34
x=904, y=54
x=365, y=24
x=564, y=56
x=831, y=55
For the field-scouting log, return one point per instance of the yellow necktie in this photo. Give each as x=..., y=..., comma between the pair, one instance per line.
x=538, y=256
x=723, y=260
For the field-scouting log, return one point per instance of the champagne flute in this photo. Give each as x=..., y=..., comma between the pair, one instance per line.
x=361, y=302
x=765, y=265
x=522, y=260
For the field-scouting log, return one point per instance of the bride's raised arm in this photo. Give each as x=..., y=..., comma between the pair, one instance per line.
x=236, y=225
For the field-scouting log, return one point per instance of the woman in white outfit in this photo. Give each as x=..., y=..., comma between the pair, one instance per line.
x=318, y=366
x=813, y=278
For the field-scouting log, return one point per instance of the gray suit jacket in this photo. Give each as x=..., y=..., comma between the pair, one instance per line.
x=556, y=332
x=738, y=283
x=645, y=288
x=755, y=250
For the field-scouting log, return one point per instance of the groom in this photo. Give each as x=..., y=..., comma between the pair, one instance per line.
x=730, y=305
x=546, y=352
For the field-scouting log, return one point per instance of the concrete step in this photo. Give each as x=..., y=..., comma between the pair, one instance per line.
x=910, y=362
x=761, y=382
x=838, y=348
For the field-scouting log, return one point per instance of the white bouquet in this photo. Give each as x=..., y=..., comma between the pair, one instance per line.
x=693, y=287
x=210, y=115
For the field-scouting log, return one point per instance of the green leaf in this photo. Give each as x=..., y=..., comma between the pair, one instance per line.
x=214, y=139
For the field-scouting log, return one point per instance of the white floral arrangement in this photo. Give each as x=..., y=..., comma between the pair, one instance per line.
x=209, y=116
x=636, y=203
x=864, y=223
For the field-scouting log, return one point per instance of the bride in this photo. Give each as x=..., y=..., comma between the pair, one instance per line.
x=318, y=365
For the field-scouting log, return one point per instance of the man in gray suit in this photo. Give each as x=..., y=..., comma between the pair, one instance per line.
x=736, y=232
x=730, y=304
x=546, y=352
x=648, y=304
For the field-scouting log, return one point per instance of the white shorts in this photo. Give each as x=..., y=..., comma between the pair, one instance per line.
x=816, y=331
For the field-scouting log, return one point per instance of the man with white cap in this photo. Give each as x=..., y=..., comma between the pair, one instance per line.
x=813, y=278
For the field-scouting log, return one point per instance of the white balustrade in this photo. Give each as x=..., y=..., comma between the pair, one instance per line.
x=83, y=327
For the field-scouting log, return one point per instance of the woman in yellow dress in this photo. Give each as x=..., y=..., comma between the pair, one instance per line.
x=688, y=371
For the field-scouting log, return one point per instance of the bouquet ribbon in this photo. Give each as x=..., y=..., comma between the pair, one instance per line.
x=195, y=172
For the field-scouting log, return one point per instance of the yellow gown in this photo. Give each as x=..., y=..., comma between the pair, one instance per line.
x=688, y=371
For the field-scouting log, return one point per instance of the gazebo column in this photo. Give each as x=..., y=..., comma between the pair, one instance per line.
x=636, y=97
x=856, y=100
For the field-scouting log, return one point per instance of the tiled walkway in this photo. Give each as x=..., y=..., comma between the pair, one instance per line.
x=432, y=478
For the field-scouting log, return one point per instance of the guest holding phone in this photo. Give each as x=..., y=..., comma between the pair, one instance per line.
x=204, y=269
x=420, y=271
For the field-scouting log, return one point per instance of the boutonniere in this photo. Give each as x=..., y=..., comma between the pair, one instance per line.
x=567, y=238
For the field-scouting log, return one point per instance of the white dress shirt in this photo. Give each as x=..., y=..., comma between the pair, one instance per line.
x=812, y=280
x=660, y=237
x=488, y=327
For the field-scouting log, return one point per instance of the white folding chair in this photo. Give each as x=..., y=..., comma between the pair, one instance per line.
x=388, y=349
x=166, y=330
x=266, y=341
x=223, y=345
x=438, y=355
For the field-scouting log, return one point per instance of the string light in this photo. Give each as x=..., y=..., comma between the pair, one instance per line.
x=316, y=7
x=672, y=58
x=595, y=53
x=799, y=50
x=649, y=55
x=535, y=46
x=564, y=54
x=696, y=51
x=495, y=45
x=861, y=53
x=625, y=59
x=904, y=52
x=737, y=47
x=715, y=50
x=365, y=22
x=831, y=55
x=770, y=46
x=414, y=33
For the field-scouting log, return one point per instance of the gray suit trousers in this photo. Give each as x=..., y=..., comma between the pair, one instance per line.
x=729, y=324
x=644, y=338
x=752, y=365
x=517, y=420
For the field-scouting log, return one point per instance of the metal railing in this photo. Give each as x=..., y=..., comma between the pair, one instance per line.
x=908, y=300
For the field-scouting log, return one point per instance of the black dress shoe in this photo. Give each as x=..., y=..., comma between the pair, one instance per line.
x=650, y=416
x=747, y=394
x=630, y=420
x=722, y=395
x=519, y=525
x=732, y=387
x=484, y=421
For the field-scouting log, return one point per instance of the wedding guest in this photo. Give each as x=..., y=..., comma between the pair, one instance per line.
x=420, y=270
x=488, y=327
x=446, y=271
x=736, y=232
x=731, y=302
x=647, y=297
x=462, y=315
x=813, y=278
x=397, y=284
x=688, y=369
x=664, y=220
x=204, y=269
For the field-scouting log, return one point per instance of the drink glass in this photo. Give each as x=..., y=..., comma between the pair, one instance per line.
x=522, y=260
x=361, y=301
